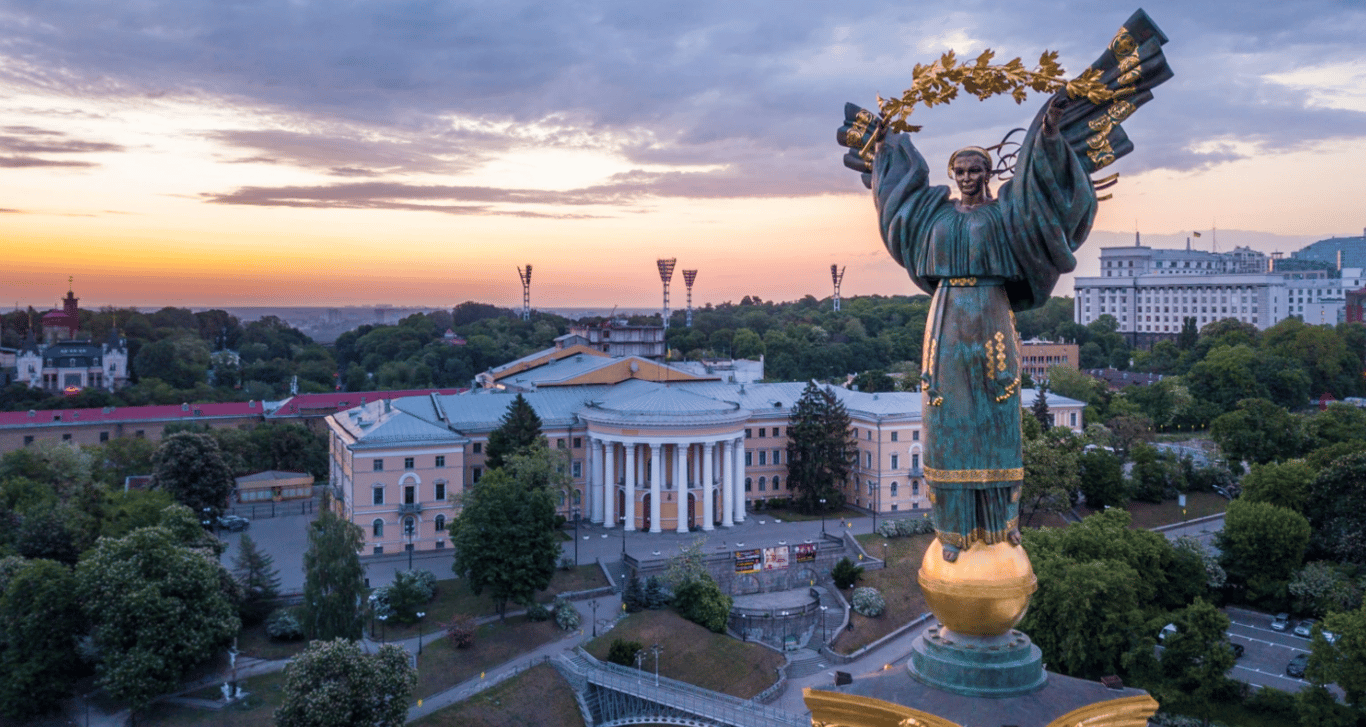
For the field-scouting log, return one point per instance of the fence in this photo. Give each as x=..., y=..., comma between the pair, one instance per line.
x=259, y=510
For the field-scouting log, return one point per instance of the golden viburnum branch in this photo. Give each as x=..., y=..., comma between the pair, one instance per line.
x=939, y=82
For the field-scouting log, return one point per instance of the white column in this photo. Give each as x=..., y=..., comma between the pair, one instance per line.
x=739, y=480
x=681, y=485
x=609, y=484
x=728, y=483
x=707, y=514
x=656, y=478
x=596, y=491
x=629, y=512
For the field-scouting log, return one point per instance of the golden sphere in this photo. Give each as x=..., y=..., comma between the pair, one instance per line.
x=983, y=593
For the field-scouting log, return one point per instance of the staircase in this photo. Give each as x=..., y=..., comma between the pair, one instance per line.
x=804, y=663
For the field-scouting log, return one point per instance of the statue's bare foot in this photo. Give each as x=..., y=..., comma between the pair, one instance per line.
x=950, y=553
x=1014, y=536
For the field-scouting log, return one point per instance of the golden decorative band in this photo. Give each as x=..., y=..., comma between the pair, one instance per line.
x=963, y=282
x=1016, y=587
x=1009, y=475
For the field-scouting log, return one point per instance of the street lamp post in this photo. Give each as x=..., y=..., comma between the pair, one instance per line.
x=410, y=527
x=383, y=618
x=656, y=648
x=822, y=516
x=420, y=630
x=877, y=503
x=824, y=635
x=623, y=537
x=576, y=537
x=594, y=604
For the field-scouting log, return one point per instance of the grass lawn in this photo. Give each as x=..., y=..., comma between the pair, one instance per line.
x=1148, y=515
x=253, y=641
x=454, y=596
x=442, y=666
x=538, y=696
x=898, y=585
x=257, y=710
x=792, y=516
x=694, y=654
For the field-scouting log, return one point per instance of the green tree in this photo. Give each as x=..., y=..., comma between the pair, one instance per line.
x=1262, y=545
x=873, y=381
x=1051, y=474
x=746, y=344
x=334, y=579
x=1285, y=484
x=127, y=511
x=1343, y=661
x=191, y=468
x=1040, y=409
x=39, y=618
x=1336, y=508
x=504, y=539
x=1084, y=615
x=520, y=427
x=259, y=579
x=181, y=361
x=820, y=449
x=1258, y=431
x=702, y=602
x=157, y=609
x=1198, y=655
x=1101, y=479
x=335, y=683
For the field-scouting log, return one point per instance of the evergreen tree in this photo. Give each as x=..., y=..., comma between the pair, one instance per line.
x=820, y=449
x=260, y=580
x=1040, y=408
x=520, y=428
x=334, y=579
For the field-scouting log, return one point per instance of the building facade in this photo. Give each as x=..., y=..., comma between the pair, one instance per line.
x=648, y=456
x=1152, y=292
x=1037, y=357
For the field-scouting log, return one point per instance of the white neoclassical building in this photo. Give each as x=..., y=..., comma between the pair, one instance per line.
x=650, y=448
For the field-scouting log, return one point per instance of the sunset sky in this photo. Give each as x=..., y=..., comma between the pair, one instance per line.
x=296, y=152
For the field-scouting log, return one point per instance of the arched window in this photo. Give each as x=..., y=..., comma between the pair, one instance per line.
x=440, y=523
x=775, y=483
x=409, y=526
x=561, y=498
x=578, y=497
x=893, y=489
x=748, y=480
x=763, y=484
x=915, y=487
x=377, y=527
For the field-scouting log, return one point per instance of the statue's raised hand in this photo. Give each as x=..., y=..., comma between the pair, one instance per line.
x=861, y=132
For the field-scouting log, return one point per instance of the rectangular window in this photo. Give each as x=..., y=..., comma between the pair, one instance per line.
x=870, y=435
x=441, y=491
x=895, y=435
x=104, y=436
x=476, y=473
x=28, y=439
x=440, y=545
x=749, y=458
x=746, y=434
x=1074, y=419
x=379, y=465
x=576, y=469
x=377, y=498
x=66, y=437
x=868, y=460
x=896, y=461
x=777, y=456
x=761, y=432
x=915, y=436
x=578, y=442
x=407, y=463
x=559, y=443
x=763, y=458
x=777, y=431
x=478, y=447
x=440, y=461
x=915, y=461
x=379, y=550
x=140, y=434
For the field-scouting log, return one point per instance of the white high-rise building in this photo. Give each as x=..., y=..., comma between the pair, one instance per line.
x=1151, y=292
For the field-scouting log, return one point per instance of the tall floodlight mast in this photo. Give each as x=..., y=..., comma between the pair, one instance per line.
x=688, y=277
x=525, y=275
x=666, y=272
x=837, y=275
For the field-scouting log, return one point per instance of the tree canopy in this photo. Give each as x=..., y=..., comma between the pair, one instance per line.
x=191, y=468
x=504, y=539
x=520, y=428
x=820, y=450
x=333, y=683
x=334, y=579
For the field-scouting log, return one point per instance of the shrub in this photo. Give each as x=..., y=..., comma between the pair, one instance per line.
x=406, y=595
x=537, y=612
x=845, y=573
x=426, y=580
x=655, y=597
x=623, y=652
x=566, y=616
x=566, y=563
x=869, y=602
x=702, y=602
x=283, y=625
x=914, y=526
x=462, y=629
x=888, y=529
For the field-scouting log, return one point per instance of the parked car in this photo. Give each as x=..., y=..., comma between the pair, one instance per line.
x=1281, y=622
x=1305, y=628
x=1297, y=666
x=233, y=523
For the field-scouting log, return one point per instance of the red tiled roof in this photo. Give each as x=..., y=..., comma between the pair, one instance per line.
x=116, y=414
x=314, y=404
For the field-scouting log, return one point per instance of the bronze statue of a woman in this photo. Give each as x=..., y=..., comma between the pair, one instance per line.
x=982, y=257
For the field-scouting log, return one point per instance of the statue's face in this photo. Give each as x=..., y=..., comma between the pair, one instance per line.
x=970, y=172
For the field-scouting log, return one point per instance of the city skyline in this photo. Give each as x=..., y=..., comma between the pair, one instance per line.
x=192, y=154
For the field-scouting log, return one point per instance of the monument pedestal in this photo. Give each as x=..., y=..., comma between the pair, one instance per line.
x=977, y=666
